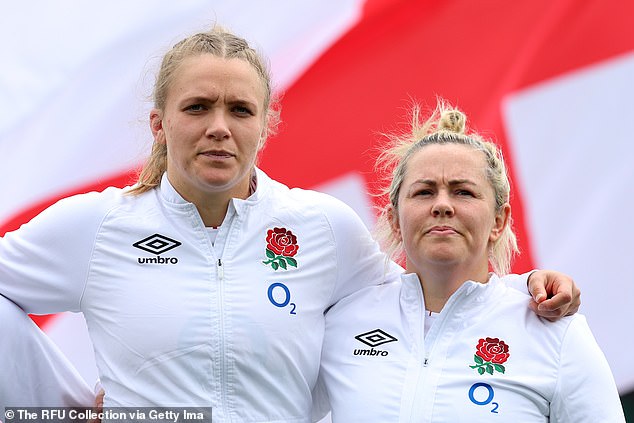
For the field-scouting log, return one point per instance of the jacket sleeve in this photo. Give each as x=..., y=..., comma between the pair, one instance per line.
x=44, y=263
x=585, y=391
x=33, y=371
x=360, y=261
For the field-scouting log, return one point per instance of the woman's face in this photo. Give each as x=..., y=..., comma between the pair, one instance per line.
x=212, y=124
x=446, y=209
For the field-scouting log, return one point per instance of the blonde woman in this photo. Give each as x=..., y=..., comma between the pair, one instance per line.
x=451, y=342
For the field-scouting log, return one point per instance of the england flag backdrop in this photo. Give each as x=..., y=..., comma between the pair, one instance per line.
x=551, y=80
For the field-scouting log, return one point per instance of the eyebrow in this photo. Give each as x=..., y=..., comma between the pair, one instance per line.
x=198, y=99
x=452, y=182
x=213, y=99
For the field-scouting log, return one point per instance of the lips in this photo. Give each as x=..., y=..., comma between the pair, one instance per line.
x=441, y=230
x=217, y=154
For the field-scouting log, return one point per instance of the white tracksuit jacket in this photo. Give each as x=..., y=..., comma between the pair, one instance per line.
x=177, y=321
x=33, y=371
x=378, y=367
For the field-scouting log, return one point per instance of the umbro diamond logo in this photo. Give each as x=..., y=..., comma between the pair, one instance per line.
x=375, y=337
x=156, y=244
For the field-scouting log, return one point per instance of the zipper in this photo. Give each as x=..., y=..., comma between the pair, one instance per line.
x=223, y=353
x=221, y=272
x=439, y=325
x=426, y=386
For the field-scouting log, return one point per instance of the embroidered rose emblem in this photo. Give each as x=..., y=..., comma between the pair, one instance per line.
x=490, y=354
x=281, y=246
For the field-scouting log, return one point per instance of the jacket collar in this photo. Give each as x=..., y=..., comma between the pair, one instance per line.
x=169, y=193
x=263, y=186
x=412, y=288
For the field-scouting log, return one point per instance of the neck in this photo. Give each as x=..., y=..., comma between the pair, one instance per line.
x=439, y=282
x=213, y=211
x=212, y=206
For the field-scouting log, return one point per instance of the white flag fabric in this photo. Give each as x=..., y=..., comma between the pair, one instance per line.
x=551, y=81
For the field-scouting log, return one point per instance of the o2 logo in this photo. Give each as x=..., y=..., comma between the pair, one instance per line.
x=280, y=296
x=483, y=389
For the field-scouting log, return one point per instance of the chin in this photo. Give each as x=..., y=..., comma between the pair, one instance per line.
x=444, y=258
x=219, y=181
x=441, y=253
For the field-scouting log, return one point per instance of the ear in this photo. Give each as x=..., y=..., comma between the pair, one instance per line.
x=395, y=225
x=502, y=218
x=156, y=125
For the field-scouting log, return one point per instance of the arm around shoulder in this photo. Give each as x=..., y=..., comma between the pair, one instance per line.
x=554, y=294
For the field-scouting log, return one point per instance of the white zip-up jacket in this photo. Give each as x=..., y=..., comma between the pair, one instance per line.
x=33, y=371
x=177, y=321
x=487, y=357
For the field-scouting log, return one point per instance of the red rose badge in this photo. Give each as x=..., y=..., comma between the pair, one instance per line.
x=281, y=246
x=489, y=356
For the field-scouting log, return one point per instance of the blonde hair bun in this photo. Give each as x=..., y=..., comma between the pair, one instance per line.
x=453, y=121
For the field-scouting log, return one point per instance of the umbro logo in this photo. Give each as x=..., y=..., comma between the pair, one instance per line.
x=373, y=339
x=157, y=244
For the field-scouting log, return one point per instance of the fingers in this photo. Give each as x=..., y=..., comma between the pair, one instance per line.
x=565, y=297
x=555, y=307
x=576, y=301
x=537, y=286
x=545, y=310
x=561, y=302
x=554, y=294
x=98, y=408
x=548, y=315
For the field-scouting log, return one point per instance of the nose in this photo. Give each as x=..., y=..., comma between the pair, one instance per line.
x=218, y=127
x=442, y=207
